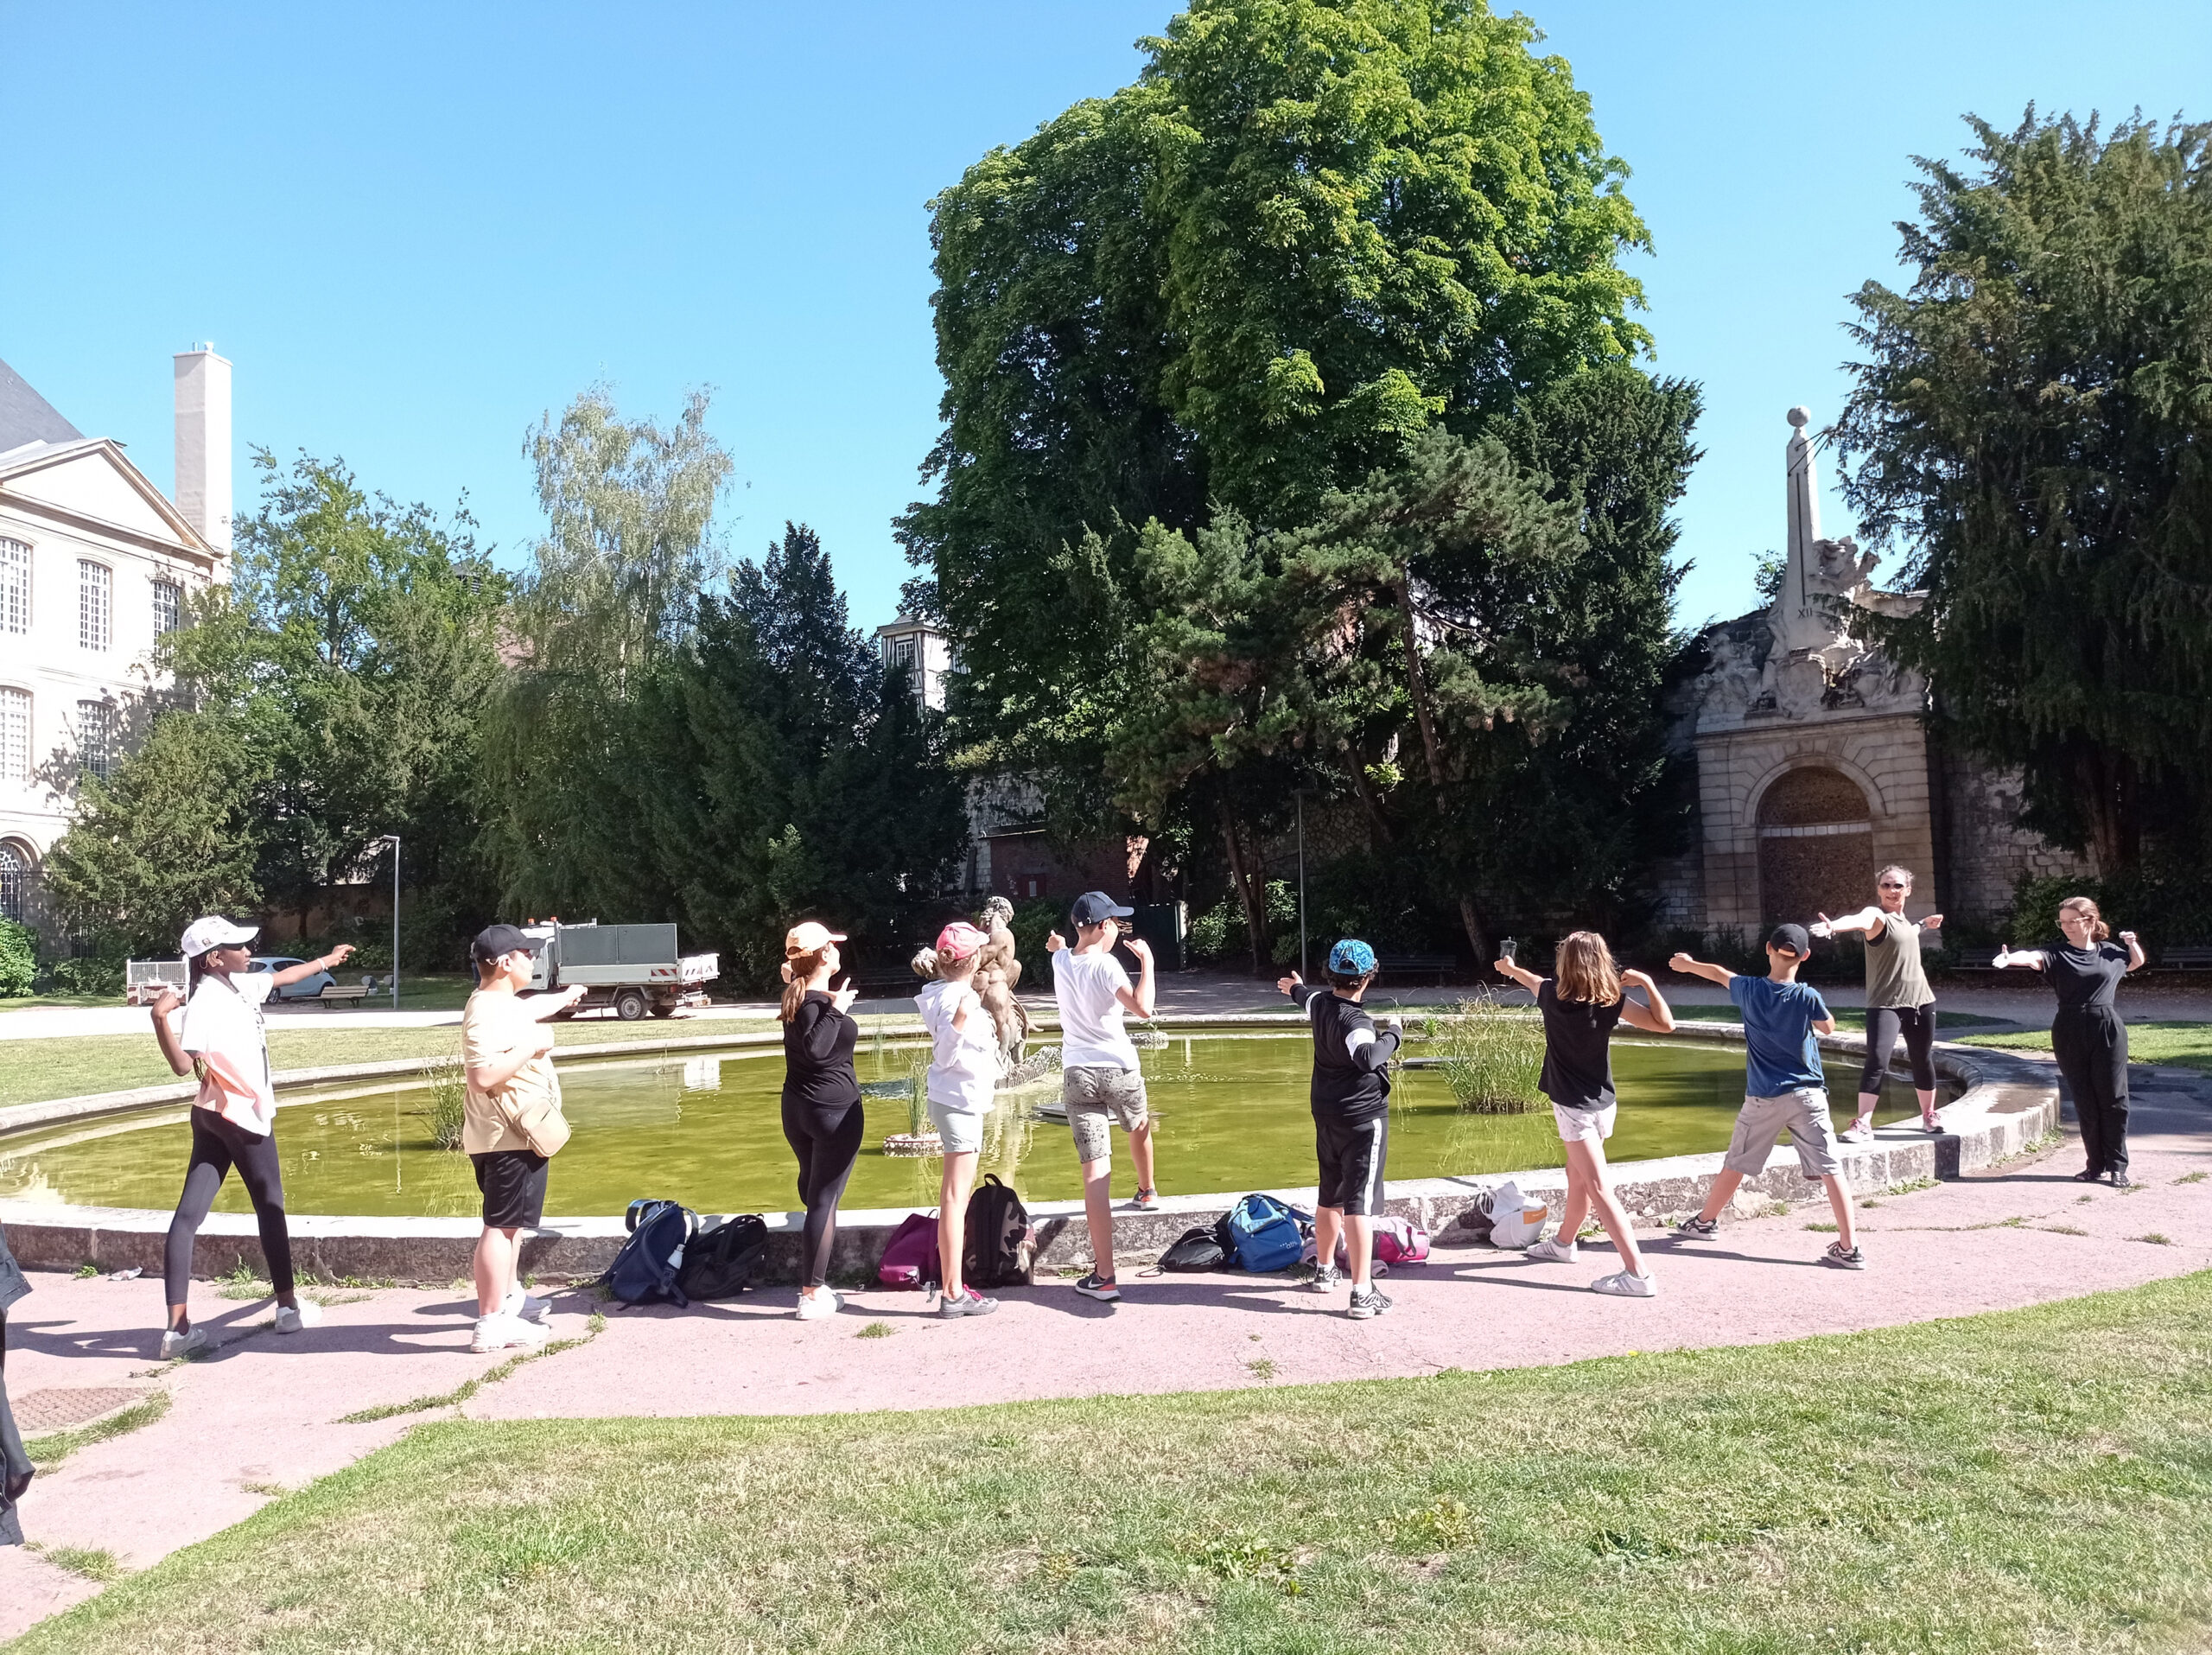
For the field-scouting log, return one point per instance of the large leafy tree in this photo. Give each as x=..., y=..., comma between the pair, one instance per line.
x=2033, y=417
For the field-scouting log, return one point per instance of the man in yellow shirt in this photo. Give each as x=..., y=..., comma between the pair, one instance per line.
x=513, y=1094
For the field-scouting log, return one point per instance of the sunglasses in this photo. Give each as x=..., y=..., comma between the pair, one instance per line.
x=1892, y=885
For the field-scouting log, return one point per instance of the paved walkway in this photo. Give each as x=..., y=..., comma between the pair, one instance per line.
x=259, y=1418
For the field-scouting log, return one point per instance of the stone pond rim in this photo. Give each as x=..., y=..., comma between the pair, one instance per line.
x=2006, y=1104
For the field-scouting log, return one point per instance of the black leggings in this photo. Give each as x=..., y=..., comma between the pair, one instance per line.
x=827, y=1141
x=1884, y=1025
x=2091, y=1046
x=216, y=1146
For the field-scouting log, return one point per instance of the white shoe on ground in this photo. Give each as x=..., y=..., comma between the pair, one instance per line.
x=526, y=1306
x=817, y=1306
x=1856, y=1133
x=1552, y=1252
x=175, y=1345
x=290, y=1318
x=1626, y=1284
x=501, y=1331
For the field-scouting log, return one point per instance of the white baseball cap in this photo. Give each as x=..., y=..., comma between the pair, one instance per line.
x=214, y=932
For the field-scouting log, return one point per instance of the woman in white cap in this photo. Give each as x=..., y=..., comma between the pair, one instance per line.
x=823, y=1120
x=234, y=1117
x=963, y=1076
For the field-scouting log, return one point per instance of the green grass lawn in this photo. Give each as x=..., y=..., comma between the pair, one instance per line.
x=74, y=1065
x=2037, y=1480
x=2181, y=1045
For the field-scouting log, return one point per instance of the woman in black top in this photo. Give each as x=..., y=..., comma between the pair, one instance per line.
x=14, y=1464
x=823, y=1117
x=1580, y=1005
x=2086, y=1035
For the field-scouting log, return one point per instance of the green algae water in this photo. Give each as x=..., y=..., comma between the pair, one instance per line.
x=706, y=1130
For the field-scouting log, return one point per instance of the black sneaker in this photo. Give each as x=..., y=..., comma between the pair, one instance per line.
x=1366, y=1302
x=1323, y=1278
x=1092, y=1288
x=1844, y=1258
x=2088, y=1175
x=2119, y=1180
x=1697, y=1229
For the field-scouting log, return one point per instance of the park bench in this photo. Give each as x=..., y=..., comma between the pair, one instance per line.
x=886, y=982
x=2194, y=958
x=342, y=994
x=1396, y=968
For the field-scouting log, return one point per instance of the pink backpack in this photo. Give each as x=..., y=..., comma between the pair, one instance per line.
x=1400, y=1241
x=910, y=1257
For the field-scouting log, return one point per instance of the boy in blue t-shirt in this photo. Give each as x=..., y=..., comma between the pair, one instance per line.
x=1783, y=1087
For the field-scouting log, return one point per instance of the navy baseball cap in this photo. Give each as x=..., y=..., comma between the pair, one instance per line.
x=1351, y=958
x=494, y=940
x=1790, y=936
x=1095, y=907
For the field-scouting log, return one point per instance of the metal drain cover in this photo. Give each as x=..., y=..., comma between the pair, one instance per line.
x=57, y=1410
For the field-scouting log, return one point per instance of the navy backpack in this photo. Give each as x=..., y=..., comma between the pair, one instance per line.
x=647, y=1268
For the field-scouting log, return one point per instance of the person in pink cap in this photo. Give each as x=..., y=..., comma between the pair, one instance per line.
x=963, y=1076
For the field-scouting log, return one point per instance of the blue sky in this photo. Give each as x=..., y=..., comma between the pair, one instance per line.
x=415, y=228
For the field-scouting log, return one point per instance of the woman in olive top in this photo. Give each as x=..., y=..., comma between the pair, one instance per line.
x=823, y=1120
x=1898, y=999
x=2086, y=1035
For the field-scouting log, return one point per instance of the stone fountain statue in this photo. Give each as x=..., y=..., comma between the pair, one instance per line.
x=998, y=972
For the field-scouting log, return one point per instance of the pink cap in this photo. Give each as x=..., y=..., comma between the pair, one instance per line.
x=959, y=939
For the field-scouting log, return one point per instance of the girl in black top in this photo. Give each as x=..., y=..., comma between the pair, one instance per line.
x=2086, y=1035
x=1580, y=1005
x=823, y=1120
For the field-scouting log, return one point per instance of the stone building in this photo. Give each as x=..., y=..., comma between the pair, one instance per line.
x=1815, y=761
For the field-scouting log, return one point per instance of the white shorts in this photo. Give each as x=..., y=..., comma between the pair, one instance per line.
x=960, y=1130
x=1586, y=1125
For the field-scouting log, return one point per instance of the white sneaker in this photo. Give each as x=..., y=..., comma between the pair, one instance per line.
x=290, y=1318
x=175, y=1345
x=1551, y=1252
x=1625, y=1284
x=501, y=1331
x=526, y=1306
x=818, y=1306
x=1856, y=1133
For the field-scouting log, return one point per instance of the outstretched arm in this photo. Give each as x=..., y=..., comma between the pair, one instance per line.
x=1865, y=922
x=1689, y=967
x=307, y=968
x=1657, y=1018
x=1520, y=974
x=2008, y=957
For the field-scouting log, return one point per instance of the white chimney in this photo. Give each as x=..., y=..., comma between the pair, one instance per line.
x=203, y=443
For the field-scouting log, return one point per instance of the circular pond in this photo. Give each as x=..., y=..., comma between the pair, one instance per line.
x=705, y=1130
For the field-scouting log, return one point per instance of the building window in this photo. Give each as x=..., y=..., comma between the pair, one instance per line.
x=15, y=586
x=15, y=881
x=95, y=610
x=96, y=737
x=14, y=735
x=168, y=606
x=902, y=652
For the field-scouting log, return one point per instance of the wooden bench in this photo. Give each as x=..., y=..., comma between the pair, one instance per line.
x=2191, y=959
x=338, y=993
x=1396, y=967
x=887, y=982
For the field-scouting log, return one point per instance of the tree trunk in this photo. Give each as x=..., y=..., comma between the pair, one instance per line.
x=2107, y=784
x=1378, y=825
x=1251, y=890
x=1417, y=689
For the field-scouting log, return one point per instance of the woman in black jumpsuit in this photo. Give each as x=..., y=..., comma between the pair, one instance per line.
x=823, y=1120
x=2086, y=1035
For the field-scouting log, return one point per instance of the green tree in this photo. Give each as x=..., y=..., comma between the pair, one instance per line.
x=2033, y=417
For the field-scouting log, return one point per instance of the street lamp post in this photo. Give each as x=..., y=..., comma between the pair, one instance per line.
x=1302, y=969
x=392, y=839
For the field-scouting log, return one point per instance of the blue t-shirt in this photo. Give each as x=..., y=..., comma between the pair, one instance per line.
x=1784, y=1054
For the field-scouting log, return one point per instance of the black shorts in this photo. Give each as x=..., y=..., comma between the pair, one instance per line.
x=513, y=1182
x=1352, y=1154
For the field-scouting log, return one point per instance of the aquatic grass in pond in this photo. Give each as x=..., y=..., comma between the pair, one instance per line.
x=1491, y=1057
x=449, y=1101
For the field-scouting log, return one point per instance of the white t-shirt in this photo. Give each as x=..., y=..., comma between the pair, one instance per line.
x=964, y=1064
x=223, y=1028
x=1087, y=987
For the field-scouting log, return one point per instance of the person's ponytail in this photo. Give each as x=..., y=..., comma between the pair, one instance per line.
x=796, y=972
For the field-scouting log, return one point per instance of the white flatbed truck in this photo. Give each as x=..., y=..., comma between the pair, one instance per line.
x=634, y=968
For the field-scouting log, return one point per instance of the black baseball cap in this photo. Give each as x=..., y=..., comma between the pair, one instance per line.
x=1790, y=936
x=1095, y=907
x=495, y=940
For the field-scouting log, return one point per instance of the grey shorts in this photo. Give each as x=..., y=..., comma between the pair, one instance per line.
x=1761, y=1122
x=960, y=1130
x=1095, y=1097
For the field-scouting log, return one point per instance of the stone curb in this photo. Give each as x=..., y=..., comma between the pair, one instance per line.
x=2009, y=1102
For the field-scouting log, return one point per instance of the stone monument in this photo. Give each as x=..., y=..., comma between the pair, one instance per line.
x=998, y=973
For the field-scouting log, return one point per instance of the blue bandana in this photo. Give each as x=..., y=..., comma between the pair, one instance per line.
x=1351, y=958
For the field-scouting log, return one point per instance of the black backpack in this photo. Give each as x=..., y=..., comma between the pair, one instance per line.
x=1203, y=1247
x=997, y=1253
x=650, y=1261
x=726, y=1260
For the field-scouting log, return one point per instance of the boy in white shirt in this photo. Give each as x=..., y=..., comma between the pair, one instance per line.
x=1100, y=1082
